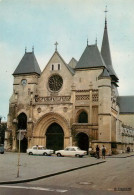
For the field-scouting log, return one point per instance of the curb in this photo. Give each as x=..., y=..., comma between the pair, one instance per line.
x=120, y=156
x=50, y=175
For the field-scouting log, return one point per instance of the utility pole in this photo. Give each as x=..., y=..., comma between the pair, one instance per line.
x=19, y=137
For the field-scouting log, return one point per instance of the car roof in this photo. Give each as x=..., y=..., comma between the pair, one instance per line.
x=38, y=146
x=72, y=147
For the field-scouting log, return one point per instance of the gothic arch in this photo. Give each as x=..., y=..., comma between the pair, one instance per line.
x=46, y=120
x=22, y=121
x=78, y=115
x=82, y=140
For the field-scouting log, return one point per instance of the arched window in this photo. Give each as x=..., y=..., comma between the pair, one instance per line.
x=83, y=117
x=22, y=121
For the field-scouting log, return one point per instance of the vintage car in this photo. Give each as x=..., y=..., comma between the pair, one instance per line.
x=71, y=151
x=40, y=150
x=1, y=149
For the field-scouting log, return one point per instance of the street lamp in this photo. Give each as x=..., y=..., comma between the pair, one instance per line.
x=20, y=136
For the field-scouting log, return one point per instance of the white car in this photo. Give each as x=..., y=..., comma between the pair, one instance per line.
x=71, y=151
x=40, y=150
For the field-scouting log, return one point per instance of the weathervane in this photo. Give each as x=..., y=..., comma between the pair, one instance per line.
x=96, y=40
x=106, y=17
x=33, y=49
x=25, y=49
x=106, y=12
x=56, y=44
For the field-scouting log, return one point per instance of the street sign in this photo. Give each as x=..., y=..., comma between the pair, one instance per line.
x=20, y=136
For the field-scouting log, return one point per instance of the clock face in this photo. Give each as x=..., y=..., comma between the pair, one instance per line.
x=24, y=82
x=55, y=82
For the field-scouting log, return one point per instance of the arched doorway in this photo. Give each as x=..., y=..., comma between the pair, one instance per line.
x=55, y=137
x=22, y=125
x=22, y=121
x=82, y=141
x=23, y=144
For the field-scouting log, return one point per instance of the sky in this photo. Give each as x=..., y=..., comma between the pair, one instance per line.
x=40, y=23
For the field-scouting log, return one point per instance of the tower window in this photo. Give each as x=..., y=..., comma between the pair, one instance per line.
x=58, y=66
x=52, y=67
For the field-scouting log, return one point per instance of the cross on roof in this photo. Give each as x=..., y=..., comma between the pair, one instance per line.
x=56, y=44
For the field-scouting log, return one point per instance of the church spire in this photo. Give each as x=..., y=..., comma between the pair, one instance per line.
x=105, y=49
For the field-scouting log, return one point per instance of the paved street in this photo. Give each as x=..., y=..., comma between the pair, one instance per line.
x=115, y=176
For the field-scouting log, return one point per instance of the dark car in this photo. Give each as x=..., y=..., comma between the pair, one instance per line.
x=1, y=149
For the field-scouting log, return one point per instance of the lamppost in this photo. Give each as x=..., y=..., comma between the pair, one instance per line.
x=20, y=136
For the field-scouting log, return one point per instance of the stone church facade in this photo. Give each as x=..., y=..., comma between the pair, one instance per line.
x=70, y=104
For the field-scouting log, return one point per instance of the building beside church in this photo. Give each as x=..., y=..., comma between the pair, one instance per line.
x=70, y=104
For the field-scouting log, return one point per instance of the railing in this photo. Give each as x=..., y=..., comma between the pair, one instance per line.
x=95, y=97
x=53, y=99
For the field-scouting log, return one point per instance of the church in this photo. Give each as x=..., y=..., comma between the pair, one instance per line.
x=70, y=104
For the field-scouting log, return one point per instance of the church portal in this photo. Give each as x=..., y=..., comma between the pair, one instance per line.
x=55, y=137
x=82, y=141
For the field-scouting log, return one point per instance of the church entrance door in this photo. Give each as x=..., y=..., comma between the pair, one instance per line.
x=22, y=125
x=82, y=141
x=55, y=137
x=23, y=144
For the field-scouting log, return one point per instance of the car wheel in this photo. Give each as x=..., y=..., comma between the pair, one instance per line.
x=58, y=154
x=77, y=155
x=30, y=153
x=45, y=154
x=2, y=152
x=80, y=156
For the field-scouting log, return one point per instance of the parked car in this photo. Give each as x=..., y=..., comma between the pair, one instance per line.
x=40, y=150
x=1, y=148
x=71, y=151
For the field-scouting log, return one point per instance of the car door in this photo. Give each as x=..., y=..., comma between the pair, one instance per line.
x=40, y=150
x=35, y=150
x=72, y=151
x=66, y=152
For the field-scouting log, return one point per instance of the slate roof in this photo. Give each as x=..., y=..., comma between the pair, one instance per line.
x=105, y=73
x=27, y=65
x=106, y=54
x=126, y=104
x=72, y=63
x=90, y=58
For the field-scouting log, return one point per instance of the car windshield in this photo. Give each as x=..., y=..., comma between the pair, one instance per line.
x=66, y=149
x=41, y=148
x=78, y=148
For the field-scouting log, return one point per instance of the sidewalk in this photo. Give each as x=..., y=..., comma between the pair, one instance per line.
x=38, y=167
x=123, y=155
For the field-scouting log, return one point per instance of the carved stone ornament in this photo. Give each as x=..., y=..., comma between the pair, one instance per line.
x=39, y=110
x=51, y=109
x=65, y=109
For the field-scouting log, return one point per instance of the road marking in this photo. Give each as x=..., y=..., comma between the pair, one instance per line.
x=34, y=188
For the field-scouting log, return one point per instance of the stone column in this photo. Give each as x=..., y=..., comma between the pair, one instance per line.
x=30, y=132
x=90, y=99
x=73, y=101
